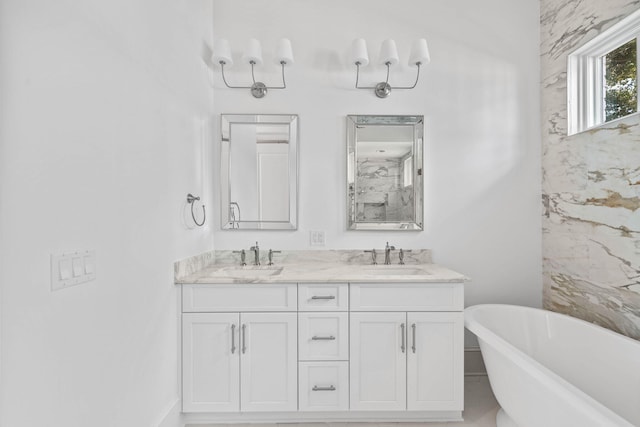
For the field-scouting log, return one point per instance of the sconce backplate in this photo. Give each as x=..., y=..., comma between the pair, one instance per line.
x=258, y=90
x=383, y=89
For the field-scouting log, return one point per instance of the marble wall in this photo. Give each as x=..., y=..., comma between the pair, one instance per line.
x=382, y=196
x=590, y=184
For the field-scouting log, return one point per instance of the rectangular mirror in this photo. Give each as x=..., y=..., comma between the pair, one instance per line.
x=384, y=172
x=259, y=171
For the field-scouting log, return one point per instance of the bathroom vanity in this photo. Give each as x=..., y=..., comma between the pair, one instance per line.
x=321, y=341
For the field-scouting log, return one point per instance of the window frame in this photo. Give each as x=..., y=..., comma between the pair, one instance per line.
x=585, y=74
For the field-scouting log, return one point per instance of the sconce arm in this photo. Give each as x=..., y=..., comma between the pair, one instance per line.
x=383, y=89
x=258, y=89
x=414, y=84
x=222, y=64
x=358, y=78
x=284, y=83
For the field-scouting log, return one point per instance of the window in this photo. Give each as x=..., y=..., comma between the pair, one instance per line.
x=602, y=77
x=620, y=81
x=407, y=175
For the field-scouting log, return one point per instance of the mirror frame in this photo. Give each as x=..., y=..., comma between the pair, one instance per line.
x=417, y=123
x=226, y=122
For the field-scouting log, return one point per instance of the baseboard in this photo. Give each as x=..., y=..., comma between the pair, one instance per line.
x=172, y=416
x=473, y=363
x=216, y=419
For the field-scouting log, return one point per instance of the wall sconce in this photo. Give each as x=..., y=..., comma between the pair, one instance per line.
x=389, y=56
x=253, y=56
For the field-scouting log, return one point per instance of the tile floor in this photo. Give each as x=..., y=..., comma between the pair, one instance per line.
x=480, y=411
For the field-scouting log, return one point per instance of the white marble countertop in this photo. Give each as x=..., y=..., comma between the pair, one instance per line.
x=319, y=272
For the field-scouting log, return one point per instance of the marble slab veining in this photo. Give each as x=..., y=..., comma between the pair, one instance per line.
x=591, y=183
x=329, y=266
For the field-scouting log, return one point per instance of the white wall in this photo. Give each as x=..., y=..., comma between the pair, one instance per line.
x=104, y=105
x=480, y=98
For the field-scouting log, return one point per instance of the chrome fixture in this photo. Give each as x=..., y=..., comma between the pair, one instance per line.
x=320, y=388
x=413, y=336
x=256, y=251
x=322, y=338
x=253, y=56
x=271, y=252
x=191, y=200
x=244, y=342
x=388, y=57
x=387, y=253
x=401, y=255
x=373, y=256
x=243, y=256
x=233, y=338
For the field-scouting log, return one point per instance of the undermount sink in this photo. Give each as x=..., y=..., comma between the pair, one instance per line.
x=243, y=272
x=393, y=271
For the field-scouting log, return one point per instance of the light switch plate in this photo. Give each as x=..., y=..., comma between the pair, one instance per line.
x=64, y=269
x=72, y=268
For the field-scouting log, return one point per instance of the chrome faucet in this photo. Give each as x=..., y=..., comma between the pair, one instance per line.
x=401, y=255
x=256, y=251
x=271, y=252
x=387, y=254
x=373, y=256
x=243, y=255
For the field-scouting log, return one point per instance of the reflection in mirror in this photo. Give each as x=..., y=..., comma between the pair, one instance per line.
x=259, y=171
x=384, y=173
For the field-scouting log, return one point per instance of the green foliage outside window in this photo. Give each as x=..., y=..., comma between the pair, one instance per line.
x=620, y=85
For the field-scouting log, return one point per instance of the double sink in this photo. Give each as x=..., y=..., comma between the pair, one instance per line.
x=264, y=272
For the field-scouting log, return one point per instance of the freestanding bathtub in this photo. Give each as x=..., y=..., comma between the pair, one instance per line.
x=547, y=369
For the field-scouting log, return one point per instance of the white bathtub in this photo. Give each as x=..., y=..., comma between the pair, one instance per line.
x=547, y=369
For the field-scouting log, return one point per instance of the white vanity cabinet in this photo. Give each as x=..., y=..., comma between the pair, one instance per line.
x=406, y=347
x=322, y=351
x=244, y=359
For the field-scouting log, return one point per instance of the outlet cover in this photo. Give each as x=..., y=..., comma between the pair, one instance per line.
x=316, y=238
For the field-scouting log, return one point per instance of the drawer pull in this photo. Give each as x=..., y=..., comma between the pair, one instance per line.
x=413, y=330
x=244, y=343
x=233, y=339
x=317, y=338
x=330, y=388
x=323, y=297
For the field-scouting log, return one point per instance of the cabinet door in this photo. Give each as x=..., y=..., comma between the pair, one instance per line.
x=210, y=360
x=378, y=361
x=435, y=361
x=268, y=346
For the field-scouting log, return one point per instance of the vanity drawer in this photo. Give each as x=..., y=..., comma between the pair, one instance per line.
x=324, y=386
x=242, y=297
x=323, y=336
x=407, y=297
x=323, y=297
